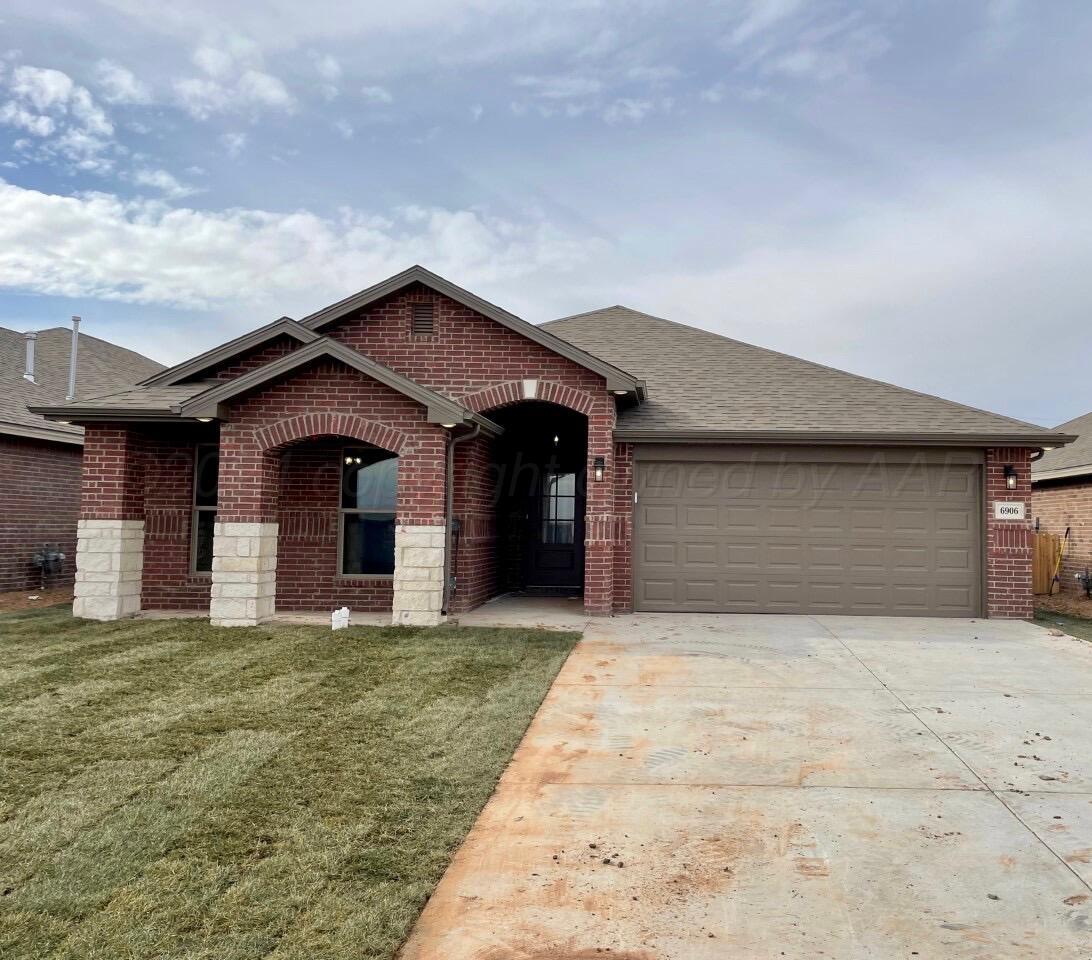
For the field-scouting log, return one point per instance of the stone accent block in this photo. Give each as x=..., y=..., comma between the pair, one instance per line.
x=244, y=573
x=109, y=568
x=418, y=575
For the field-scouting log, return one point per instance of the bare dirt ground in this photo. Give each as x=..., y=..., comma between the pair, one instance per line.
x=28, y=599
x=1071, y=602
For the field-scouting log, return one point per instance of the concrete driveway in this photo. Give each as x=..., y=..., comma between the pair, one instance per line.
x=741, y=786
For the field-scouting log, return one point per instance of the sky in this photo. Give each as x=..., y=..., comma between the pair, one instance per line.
x=898, y=189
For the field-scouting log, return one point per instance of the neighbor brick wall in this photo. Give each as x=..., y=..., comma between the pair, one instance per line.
x=41, y=484
x=1067, y=503
x=1008, y=544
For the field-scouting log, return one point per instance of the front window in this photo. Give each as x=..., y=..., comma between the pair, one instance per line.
x=369, y=496
x=559, y=508
x=206, y=478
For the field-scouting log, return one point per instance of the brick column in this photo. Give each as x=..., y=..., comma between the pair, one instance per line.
x=110, y=533
x=244, y=546
x=419, y=533
x=1008, y=543
x=600, y=533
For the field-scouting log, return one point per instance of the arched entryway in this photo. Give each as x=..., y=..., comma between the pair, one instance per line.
x=540, y=469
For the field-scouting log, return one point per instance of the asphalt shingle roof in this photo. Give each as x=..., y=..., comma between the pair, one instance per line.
x=701, y=382
x=101, y=368
x=1077, y=454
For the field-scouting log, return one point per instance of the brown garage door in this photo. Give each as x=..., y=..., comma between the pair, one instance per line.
x=779, y=533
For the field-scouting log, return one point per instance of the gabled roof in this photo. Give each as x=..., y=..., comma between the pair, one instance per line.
x=1072, y=461
x=617, y=378
x=204, y=399
x=285, y=326
x=703, y=386
x=101, y=367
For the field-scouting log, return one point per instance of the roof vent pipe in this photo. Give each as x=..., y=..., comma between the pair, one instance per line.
x=32, y=338
x=71, y=395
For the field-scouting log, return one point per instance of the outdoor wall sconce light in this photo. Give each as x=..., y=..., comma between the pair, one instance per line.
x=598, y=466
x=1010, y=476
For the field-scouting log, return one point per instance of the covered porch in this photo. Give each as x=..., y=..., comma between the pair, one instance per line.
x=408, y=522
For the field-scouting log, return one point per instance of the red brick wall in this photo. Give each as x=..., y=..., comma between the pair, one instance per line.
x=1008, y=544
x=307, y=546
x=168, y=583
x=482, y=363
x=113, y=473
x=1067, y=503
x=41, y=484
x=475, y=562
x=250, y=475
x=623, y=542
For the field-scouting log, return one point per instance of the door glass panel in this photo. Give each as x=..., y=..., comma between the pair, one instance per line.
x=559, y=508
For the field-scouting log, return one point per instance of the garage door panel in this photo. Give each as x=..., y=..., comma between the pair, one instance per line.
x=821, y=538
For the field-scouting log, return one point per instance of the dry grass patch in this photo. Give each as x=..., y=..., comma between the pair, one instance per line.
x=174, y=790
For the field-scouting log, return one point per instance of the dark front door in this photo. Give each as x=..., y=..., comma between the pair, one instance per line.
x=555, y=559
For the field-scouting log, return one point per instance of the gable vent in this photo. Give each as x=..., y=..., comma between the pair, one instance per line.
x=423, y=319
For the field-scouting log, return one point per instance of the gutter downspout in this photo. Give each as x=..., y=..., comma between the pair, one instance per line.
x=72, y=360
x=449, y=508
x=1037, y=455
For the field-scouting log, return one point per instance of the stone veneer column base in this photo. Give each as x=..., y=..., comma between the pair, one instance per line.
x=244, y=574
x=418, y=575
x=109, y=566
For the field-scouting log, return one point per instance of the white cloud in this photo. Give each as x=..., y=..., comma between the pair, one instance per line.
x=476, y=111
x=165, y=182
x=630, y=110
x=235, y=82
x=328, y=67
x=119, y=85
x=344, y=128
x=72, y=128
x=234, y=143
x=560, y=86
x=139, y=251
x=261, y=88
x=16, y=115
x=376, y=94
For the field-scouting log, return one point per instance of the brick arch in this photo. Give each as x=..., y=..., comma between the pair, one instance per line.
x=511, y=392
x=310, y=425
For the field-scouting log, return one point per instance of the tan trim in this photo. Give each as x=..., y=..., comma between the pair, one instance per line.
x=281, y=327
x=440, y=408
x=803, y=453
x=616, y=378
x=818, y=437
x=41, y=433
x=1061, y=474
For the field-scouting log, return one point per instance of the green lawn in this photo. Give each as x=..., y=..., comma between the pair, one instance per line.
x=169, y=789
x=1074, y=626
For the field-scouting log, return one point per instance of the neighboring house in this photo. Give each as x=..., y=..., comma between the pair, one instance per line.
x=643, y=464
x=1061, y=497
x=40, y=459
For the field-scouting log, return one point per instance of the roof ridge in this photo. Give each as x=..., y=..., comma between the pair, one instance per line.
x=814, y=364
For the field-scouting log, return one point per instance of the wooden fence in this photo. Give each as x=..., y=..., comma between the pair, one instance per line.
x=1045, y=556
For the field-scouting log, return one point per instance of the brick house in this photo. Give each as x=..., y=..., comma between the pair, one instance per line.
x=39, y=459
x=415, y=449
x=1061, y=497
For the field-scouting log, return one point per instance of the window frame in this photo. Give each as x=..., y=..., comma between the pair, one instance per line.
x=197, y=509
x=549, y=503
x=343, y=511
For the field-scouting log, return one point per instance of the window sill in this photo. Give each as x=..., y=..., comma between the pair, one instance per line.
x=365, y=576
